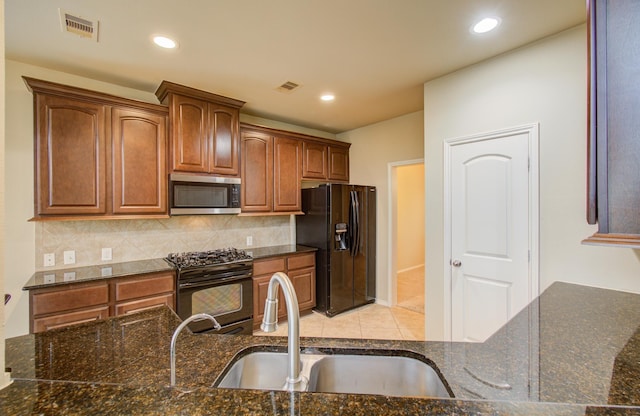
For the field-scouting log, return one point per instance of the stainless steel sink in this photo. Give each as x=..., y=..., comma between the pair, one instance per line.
x=340, y=373
x=375, y=374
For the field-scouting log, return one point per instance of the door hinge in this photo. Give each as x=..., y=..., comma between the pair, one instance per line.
x=529, y=256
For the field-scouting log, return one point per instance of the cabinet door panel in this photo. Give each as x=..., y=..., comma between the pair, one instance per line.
x=190, y=135
x=257, y=172
x=69, y=299
x=287, y=176
x=224, y=156
x=338, y=164
x=70, y=318
x=146, y=303
x=315, y=160
x=300, y=261
x=70, y=173
x=304, y=283
x=139, y=162
x=132, y=288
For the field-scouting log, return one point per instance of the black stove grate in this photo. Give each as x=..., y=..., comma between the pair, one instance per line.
x=196, y=259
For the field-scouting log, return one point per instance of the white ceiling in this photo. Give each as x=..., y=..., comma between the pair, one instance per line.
x=374, y=55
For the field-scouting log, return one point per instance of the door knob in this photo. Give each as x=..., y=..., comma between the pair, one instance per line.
x=456, y=263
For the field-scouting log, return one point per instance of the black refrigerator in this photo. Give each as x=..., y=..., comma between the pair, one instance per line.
x=340, y=221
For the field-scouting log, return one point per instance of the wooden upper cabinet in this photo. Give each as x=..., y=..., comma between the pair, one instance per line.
x=70, y=146
x=287, y=175
x=225, y=144
x=257, y=172
x=315, y=160
x=271, y=172
x=338, y=163
x=613, y=200
x=139, y=162
x=189, y=136
x=204, y=130
x=97, y=155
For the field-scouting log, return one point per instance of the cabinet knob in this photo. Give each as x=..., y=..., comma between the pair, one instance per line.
x=456, y=263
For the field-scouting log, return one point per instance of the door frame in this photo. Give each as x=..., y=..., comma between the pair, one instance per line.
x=532, y=131
x=392, y=201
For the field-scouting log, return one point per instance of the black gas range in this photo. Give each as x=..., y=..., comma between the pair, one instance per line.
x=217, y=282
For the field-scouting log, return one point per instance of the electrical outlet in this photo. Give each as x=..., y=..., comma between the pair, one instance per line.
x=49, y=259
x=249, y=241
x=107, y=254
x=70, y=257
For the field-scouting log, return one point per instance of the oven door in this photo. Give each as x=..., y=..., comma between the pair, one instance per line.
x=230, y=301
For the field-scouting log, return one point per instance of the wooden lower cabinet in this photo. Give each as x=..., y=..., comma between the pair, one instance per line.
x=76, y=303
x=301, y=269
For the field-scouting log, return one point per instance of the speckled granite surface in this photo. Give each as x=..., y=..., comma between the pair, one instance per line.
x=574, y=351
x=47, y=278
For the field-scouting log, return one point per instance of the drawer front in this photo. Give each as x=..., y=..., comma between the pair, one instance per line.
x=142, y=304
x=69, y=299
x=70, y=318
x=139, y=288
x=298, y=262
x=269, y=266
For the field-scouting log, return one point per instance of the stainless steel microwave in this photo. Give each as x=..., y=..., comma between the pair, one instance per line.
x=196, y=195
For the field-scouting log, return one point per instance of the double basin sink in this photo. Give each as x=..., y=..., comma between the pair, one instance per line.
x=390, y=375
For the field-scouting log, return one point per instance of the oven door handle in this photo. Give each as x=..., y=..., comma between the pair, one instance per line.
x=212, y=283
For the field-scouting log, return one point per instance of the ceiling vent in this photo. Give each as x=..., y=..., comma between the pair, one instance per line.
x=288, y=87
x=79, y=26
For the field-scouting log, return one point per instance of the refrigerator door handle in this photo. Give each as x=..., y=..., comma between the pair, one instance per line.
x=354, y=222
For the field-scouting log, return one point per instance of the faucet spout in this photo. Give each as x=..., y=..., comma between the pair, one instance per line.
x=196, y=317
x=295, y=381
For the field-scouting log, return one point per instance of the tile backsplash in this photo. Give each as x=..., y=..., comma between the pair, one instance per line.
x=131, y=240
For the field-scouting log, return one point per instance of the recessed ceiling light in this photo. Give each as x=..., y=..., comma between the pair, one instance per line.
x=327, y=97
x=486, y=25
x=165, y=42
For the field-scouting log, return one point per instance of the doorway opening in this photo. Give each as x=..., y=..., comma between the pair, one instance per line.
x=407, y=235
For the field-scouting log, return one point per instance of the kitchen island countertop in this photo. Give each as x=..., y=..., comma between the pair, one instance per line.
x=573, y=351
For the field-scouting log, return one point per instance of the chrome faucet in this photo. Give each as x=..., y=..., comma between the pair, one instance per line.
x=295, y=381
x=196, y=317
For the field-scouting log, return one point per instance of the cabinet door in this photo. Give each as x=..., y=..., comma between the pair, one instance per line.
x=315, y=160
x=338, y=164
x=257, y=172
x=304, y=283
x=224, y=154
x=145, y=286
x=260, y=291
x=139, y=143
x=62, y=320
x=70, y=156
x=145, y=303
x=189, y=135
x=287, y=175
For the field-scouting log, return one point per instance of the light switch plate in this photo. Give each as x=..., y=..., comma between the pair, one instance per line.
x=107, y=254
x=49, y=259
x=249, y=241
x=70, y=257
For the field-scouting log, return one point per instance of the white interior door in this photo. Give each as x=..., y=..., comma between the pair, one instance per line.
x=490, y=232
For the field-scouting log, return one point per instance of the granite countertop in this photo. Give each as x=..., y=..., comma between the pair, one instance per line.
x=48, y=278
x=573, y=351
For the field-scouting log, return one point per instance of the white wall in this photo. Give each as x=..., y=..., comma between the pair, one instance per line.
x=4, y=378
x=544, y=82
x=372, y=149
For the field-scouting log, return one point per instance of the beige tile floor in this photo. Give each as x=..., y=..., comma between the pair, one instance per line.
x=367, y=322
x=411, y=289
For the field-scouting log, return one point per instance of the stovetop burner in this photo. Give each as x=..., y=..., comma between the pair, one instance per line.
x=195, y=259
